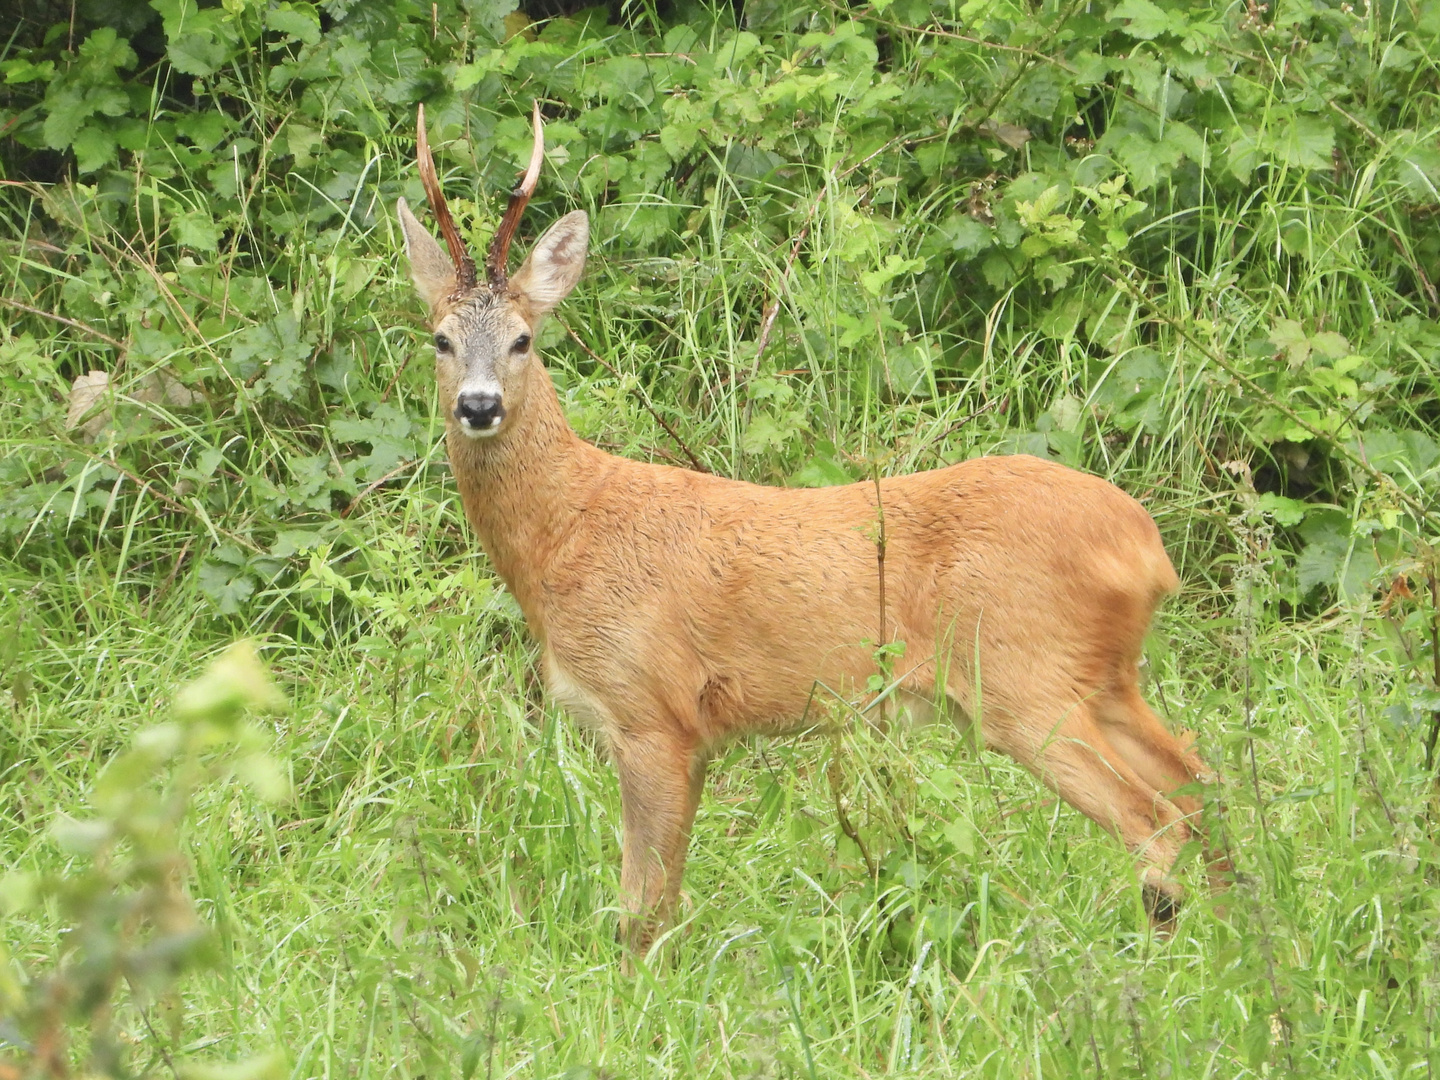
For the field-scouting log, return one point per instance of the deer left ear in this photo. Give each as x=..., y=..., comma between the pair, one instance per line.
x=555, y=263
x=430, y=267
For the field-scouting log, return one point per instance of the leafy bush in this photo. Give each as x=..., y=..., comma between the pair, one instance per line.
x=1108, y=193
x=134, y=930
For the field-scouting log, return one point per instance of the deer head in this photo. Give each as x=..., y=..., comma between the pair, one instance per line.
x=485, y=331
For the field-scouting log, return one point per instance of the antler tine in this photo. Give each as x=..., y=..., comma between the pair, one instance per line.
x=459, y=255
x=500, y=246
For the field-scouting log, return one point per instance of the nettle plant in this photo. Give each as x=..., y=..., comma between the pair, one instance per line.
x=134, y=932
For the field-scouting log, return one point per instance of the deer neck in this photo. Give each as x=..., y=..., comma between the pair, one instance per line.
x=525, y=489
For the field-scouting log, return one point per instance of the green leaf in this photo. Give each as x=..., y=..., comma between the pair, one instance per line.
x=386, y=430
x=1288, y=337
x=204, y=129
x=961, y=834
x=1329, y=559
x=94, y=148
x=1305, y=143
x=470, y=1052
x=1420, y=171
x=228, y=588
x=685, y=116
x=271, y=1066
x=1423, y=452
x=263, y=775
x=81, y=837
x=1145, y=160
x=278, y=348
x=1144, y=21
x=735, y=48
x=1186, y=140
x=911, y=369
x=1040, y=91
x=297, y=21
x=1066, y=412
x=1329, y=344
x=66, y=109
x=105, y=50
x=1255, y=1038
x=964, y=235
x=679, y=138
x=197, y=229
x=197, y=41
x=314, y=482
x=24, y=71
x=303, y=142
x=1398, y=58
x=1401, y=454
x=234, y=681
x=998, y=271
x=895, y=265
x=17, y=891
x=822, y=470
x=762, y=433
x=196, y=54
x=1287, y=512
x=471, y=74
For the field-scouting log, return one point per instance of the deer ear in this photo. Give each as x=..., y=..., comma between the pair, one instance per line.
x=430, y=267
x=555, y=263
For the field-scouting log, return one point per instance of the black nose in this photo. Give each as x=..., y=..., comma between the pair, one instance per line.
x=479, y=411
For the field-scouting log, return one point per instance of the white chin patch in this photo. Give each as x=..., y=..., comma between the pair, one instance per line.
x=482, y=433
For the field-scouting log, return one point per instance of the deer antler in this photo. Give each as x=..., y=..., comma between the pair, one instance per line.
x=500, y=246
x=459, y=255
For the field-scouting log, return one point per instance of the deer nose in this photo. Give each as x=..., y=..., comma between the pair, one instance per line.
x=479, y=412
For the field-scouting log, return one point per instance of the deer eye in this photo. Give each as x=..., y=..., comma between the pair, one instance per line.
x=521, y=344
x=442, y=343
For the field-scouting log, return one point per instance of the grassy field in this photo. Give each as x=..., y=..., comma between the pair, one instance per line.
x=442, y=877
x=1245, y=344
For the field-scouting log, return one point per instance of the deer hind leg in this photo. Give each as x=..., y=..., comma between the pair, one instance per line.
x=661, y=778
x=1165, y=761
x=1067, y=748
x=1138, y=736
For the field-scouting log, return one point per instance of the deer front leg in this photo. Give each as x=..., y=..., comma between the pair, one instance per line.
x=661, y=777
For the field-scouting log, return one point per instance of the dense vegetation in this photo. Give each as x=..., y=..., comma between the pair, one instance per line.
x=1191, y=247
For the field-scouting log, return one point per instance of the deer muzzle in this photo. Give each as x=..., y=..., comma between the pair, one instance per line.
x=480, y=413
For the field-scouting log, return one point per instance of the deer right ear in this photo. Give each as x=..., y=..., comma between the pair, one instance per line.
x=555, y=263
x=430, y=267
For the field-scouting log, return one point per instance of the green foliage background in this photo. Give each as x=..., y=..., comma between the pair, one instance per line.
x=1191, y=247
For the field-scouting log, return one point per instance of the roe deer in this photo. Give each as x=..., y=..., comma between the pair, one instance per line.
x=676, y=609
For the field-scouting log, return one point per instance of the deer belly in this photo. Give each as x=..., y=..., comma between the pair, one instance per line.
x=580, y=703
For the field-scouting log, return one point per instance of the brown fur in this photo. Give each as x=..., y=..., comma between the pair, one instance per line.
x=677, y=610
